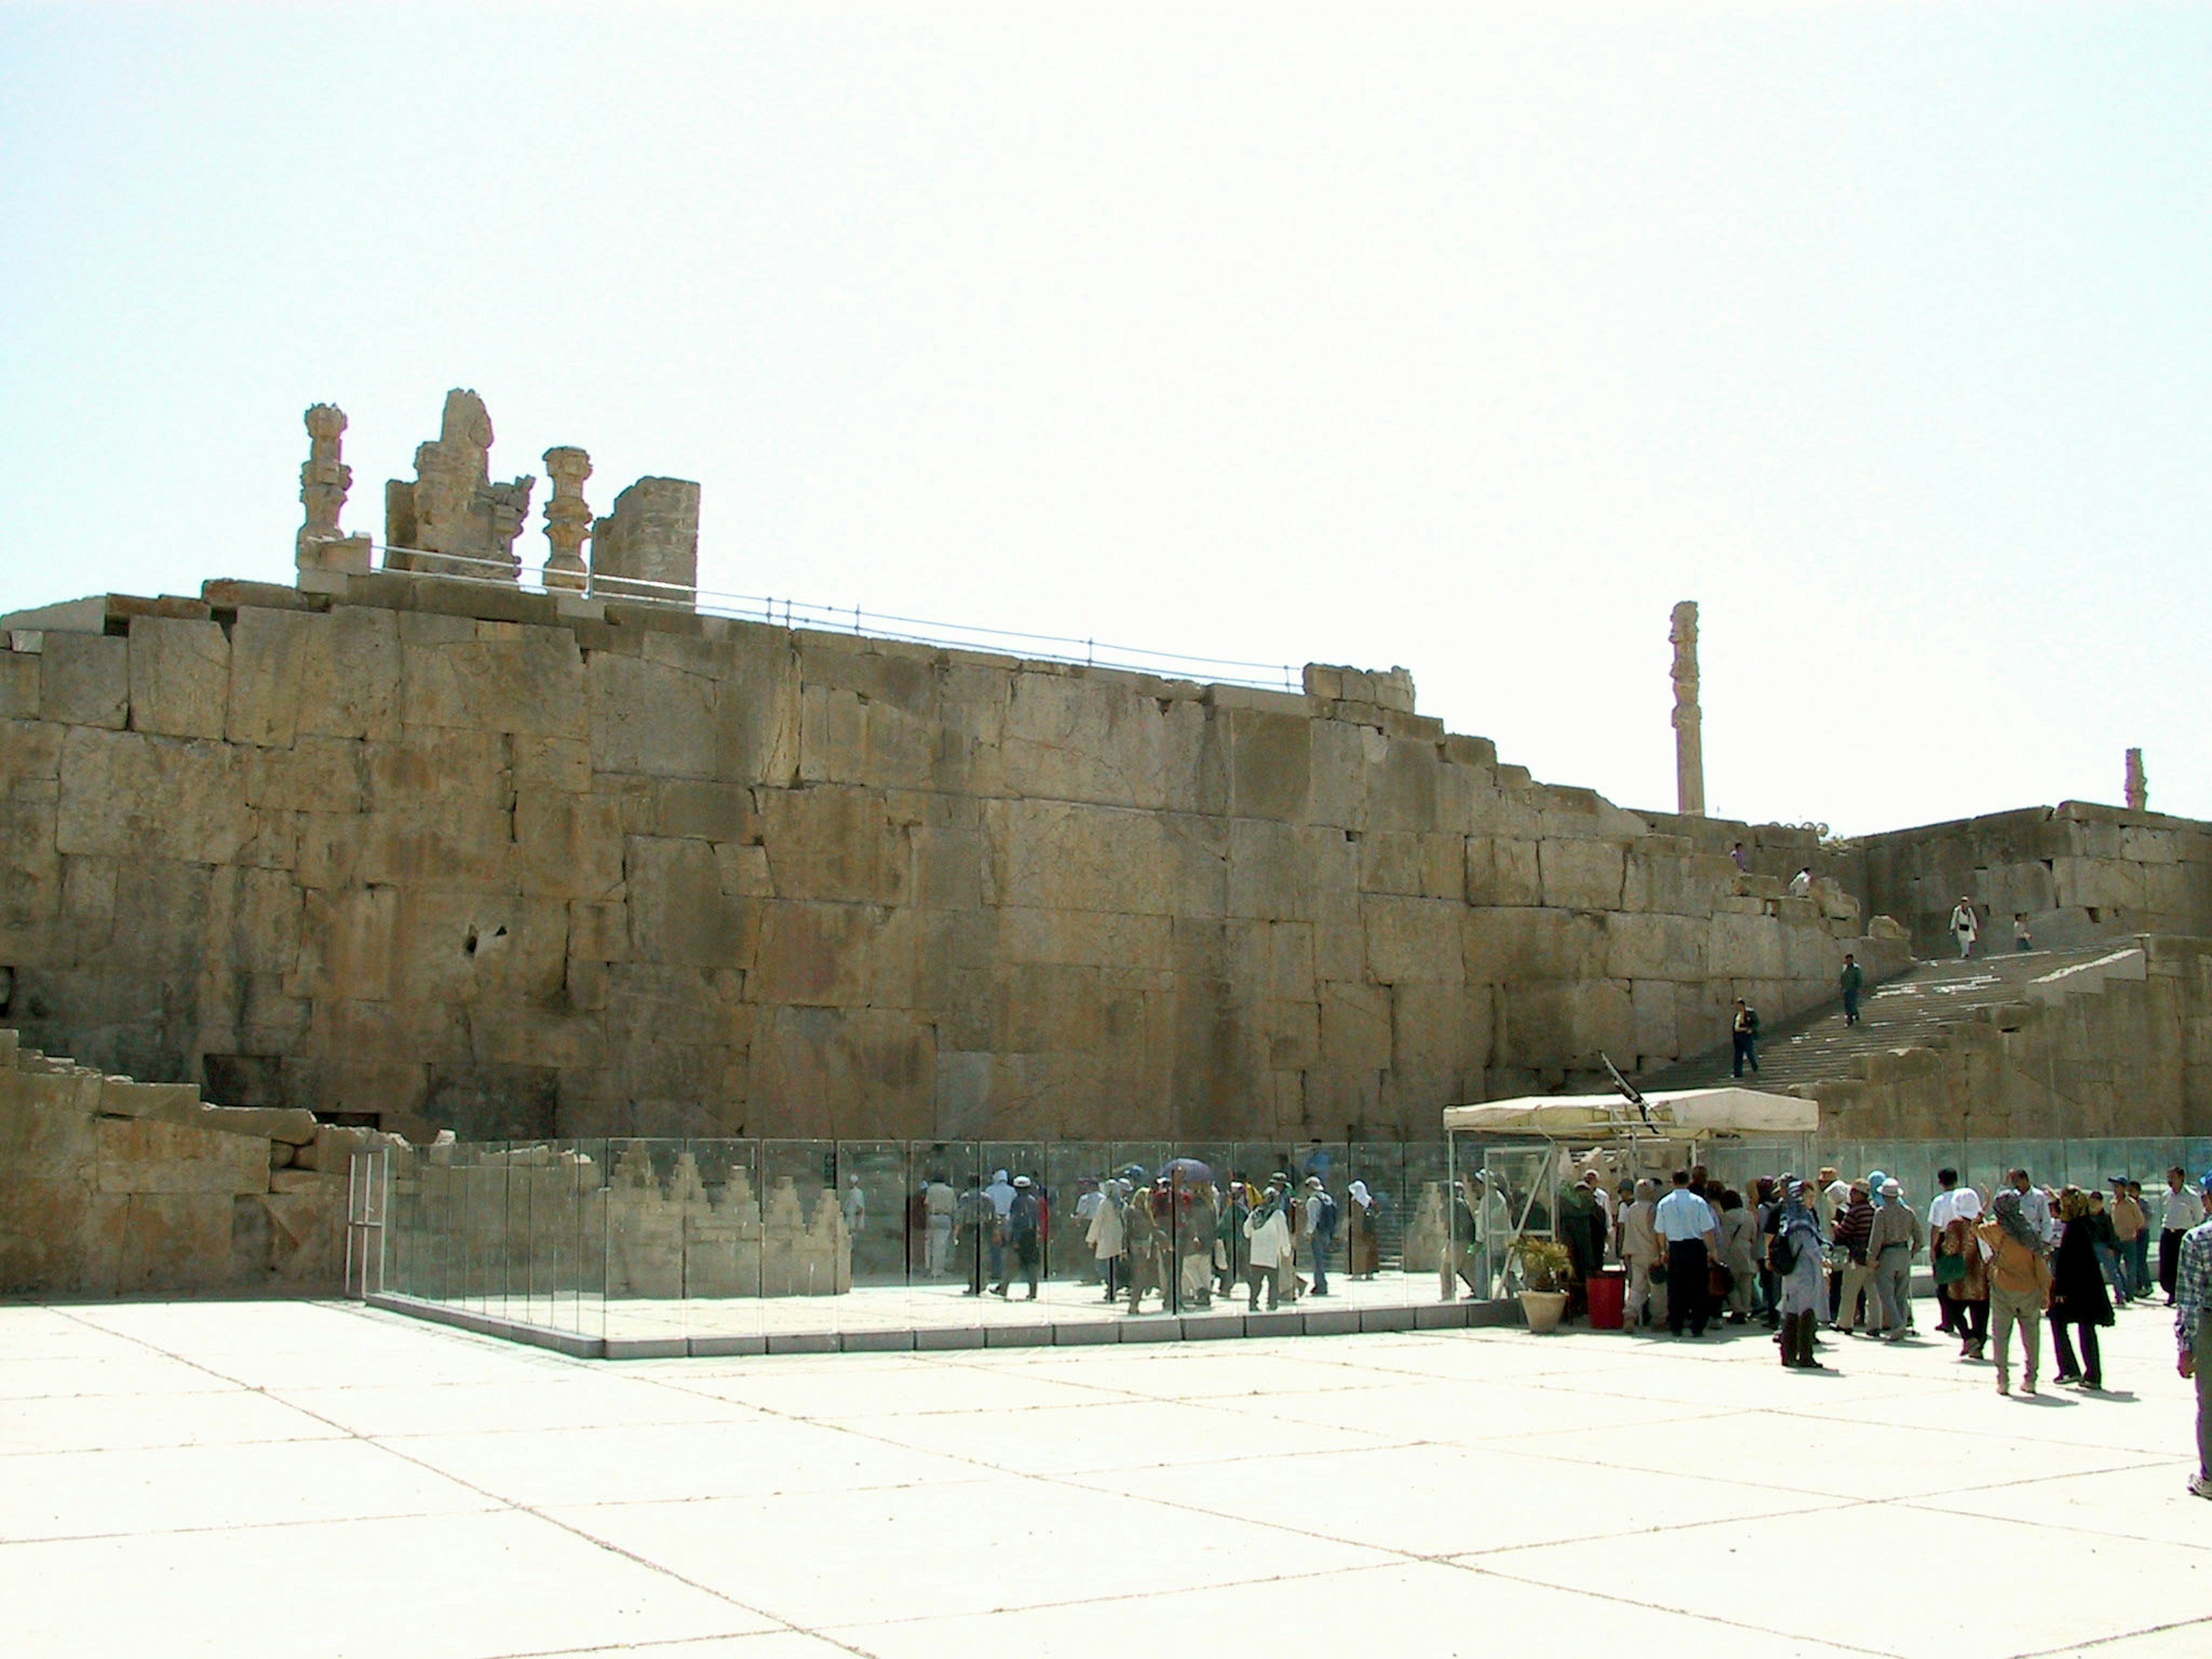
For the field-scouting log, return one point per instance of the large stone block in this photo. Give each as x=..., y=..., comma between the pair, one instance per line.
x=1502, y=870
x=1500, y=946
x=1580, y=874
x=1413, y=941
x=179, y=676
x=1355, y=1026
x=1652, y=947
x=650, y=719
x=819, y=955
x=85, y=680
x=834, y=843
x=154, y=1156
x=1746, y=947
x=502, y=676
x=568, y=846
x=1271, y=762
x=128, y=795
x=316, y=774
x=1550, y=1025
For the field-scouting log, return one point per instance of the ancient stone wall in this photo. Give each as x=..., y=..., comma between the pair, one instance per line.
x=2079, y=873
x=438, y=854
x=111, y=1187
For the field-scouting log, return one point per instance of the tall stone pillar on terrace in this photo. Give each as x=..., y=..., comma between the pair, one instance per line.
x=568, y=519
x=324, y=478
x=1689, y=719
x=2138, y=787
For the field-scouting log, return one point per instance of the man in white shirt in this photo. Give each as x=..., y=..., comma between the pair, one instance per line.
x=2035, y=1204
x=1941, y=1209
x=1692, y=1237
x=2179, y=1210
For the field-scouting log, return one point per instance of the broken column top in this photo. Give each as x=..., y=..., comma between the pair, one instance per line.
x=648, y=547
x=452, y=508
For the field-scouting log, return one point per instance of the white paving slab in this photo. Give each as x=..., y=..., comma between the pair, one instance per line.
x=308, y=1479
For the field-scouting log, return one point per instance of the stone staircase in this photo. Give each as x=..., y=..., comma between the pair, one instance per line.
x=1908, y=1012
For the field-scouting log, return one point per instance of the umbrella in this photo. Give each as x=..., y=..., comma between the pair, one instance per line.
x=1186, y=1168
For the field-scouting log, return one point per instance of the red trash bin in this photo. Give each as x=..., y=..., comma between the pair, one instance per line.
x=1608, y=1294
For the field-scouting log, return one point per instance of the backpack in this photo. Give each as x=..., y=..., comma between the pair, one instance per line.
x=1781, y=1251
x=1326, y=1226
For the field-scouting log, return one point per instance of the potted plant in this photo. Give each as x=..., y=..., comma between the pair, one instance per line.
x=1545, y=1269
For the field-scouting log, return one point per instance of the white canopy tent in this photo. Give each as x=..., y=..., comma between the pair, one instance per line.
x=1666, y=1115
x=1527, y=1145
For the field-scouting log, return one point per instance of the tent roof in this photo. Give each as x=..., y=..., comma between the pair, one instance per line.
x=1673, y=1114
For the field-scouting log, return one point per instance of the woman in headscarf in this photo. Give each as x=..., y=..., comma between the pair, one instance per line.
x=1364, y=1253
x=1738, y=1253
x=1269, y=1231
x=1640, y=1252
x=1969, y=1292
x=2077, y=1291
x=1582, y=1229
x=2020, y=1288
x=1104, y=1235
x=1794, y=1252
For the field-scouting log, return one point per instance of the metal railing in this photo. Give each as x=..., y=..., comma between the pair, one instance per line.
x=794, y=613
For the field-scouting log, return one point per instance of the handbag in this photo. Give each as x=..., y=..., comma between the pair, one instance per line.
x=1719, y=1281
x=1949, y=1269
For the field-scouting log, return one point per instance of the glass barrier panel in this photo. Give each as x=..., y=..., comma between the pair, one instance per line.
x=589, y=1171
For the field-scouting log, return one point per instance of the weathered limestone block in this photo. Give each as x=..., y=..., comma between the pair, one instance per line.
x=505, y=678
x=1746, y=947
x=1562, y=1024
x=1656, y=947
x=568, y=846
x=1076, y=737
x=648, y=547
x=19, y=682
x=1413, y=941
x=1581, y=875
x=1501, y=946
x=1355, y=1026
x=1270, y=763
x=678, y=911
x=1403, y=794
x=142, y=1156
x=833, y=956
x=85, y=680
x=834, y=1067
x=835, y=843
x=1501, y=871
x=131, y=796
x=179, y=676
x=650, y=719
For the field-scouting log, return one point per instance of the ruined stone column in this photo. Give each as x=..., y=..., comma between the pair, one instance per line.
x=324, y=478
x=568, y=519
x=1689, y=736
x=2138, y=787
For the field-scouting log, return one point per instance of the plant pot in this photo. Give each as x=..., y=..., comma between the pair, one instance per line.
x=1543, y=1309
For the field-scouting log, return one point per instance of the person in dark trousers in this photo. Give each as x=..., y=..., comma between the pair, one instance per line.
x=1850, y=981
x=1692, y=1235
x=2178, y=1211
x=1743, y=1037
x=1024, y=1229
x=2078, y=1301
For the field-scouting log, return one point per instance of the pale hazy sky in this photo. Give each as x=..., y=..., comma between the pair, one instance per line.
x=1468, y=337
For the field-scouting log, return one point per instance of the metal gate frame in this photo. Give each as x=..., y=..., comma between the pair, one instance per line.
x=368, y=1200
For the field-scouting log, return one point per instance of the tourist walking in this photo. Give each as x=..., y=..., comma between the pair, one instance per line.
x=1581, y=1231
x=1794, y=1254
x=1892, y=1245
x=2078, y=1302
x=1849, y=983
x=2020, y=1288
x=1640, y=1253
x=2192, y=1328
x=2104, y=1240
x=1739, y=1255
x=1362, y=1250
x=943, y=1206
x=1961, y=1276
x=1964, y=927
x=2126, y=1215
x=1692, y=1233
x=1025, y=1231
x=1320, y=1230
x=1104, y=1235
x=2139, y=1258
x=1267, y=1230
x=1854, y=1235
x=2178, y=1211
x=1743, y=1037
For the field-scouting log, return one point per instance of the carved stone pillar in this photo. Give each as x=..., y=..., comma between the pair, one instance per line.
x=324, y=478
x=2138, y=795
x=1689, y=719
x=568, y=519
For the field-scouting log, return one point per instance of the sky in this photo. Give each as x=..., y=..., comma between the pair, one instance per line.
x=1466, y=338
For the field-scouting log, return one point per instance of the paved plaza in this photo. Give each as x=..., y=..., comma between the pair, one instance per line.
x=297, y=1480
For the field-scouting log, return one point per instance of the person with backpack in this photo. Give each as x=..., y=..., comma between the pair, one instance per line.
x=1743, y=1037
x=1320, y=1230
x=1794, y=1252
x=1272, y=1252
x=1025, y=1231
